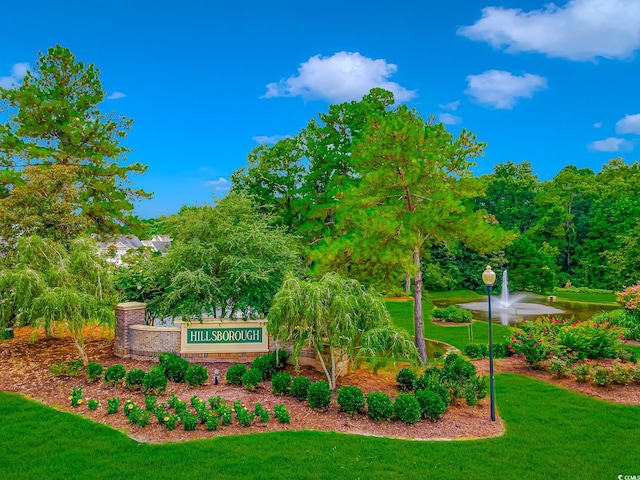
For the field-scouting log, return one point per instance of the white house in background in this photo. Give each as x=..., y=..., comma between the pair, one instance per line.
x=114, y=249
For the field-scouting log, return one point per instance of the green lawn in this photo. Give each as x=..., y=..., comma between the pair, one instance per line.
x=458, y=336
x=550, y=433
x=598, y=298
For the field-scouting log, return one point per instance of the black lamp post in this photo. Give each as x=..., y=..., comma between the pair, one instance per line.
x=489, y=278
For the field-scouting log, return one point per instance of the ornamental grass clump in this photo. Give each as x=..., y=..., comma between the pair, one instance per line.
x=319, y=395
x=379, y=406
x=351, y=399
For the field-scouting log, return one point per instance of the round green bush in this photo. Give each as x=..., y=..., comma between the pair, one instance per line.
x=265, y=365
x=251, y=378
x=155, y=381
x=114, y=374
x=281, y=383
x=93, y=371
x=134, y=378
x=351, y=399
x=196, y=375
x=234, y=374
x=477, y=350
x=175, y=367
x=457, y=369
x=436, y=386
x=406, y=379
x=452, y=313
x=379, y=406
x=407, y=408
x=319, y=395
x=431, y=404
x=300, y=388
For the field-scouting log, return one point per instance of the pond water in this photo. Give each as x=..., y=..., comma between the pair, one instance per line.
x=526, y=309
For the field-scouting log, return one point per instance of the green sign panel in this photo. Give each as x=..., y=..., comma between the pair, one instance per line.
x=224, y=335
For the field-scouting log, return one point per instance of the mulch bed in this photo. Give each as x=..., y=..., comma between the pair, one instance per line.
x=24, y=369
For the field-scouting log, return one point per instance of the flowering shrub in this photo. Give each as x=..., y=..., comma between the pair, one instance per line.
x=189, y=420
x=128, y=407
x=92, y=404
x=581, y=371
x=243, y=415
x=171, y=421
x=623, y=373
x=630, y=297
x=560, y=367
x=627, y=320
x=151, y=402
x=535, y=340
x=602, y=375
x=589, y=339
x=213, y=421
x=76, y=396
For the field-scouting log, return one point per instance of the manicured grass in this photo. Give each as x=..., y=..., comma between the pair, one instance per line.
x=599, y=298
x=457, y=336
x=550, y=433
x=461, y=294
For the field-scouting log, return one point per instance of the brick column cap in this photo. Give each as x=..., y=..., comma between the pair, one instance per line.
x=131, y=306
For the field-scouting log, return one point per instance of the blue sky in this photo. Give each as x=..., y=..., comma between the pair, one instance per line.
x=207, y=81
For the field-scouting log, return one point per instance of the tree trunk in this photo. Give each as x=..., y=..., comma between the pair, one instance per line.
x=407, y=284
x=417, y=308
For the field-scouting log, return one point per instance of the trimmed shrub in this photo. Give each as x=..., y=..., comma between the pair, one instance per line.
x=319, y=395
x=475, y=389
x=114, y=374
x=251, y=378
x=134, y=378
x=175, y=367
x=379, y=406
x=477, y=350
x=155, y=382
x=113, y=404
x=196, y=375
x=268, y=364
x=281, y=383
x=151, y=402
x=407, y=408
x=93, y=371
x=188, y=420
x=234, y=374
x=92, y=404
x=452, y=313
x=406, y=379
x=436, y=386
x=351, y=399
x=431, y=404
x=300, y=388
x=457, y=369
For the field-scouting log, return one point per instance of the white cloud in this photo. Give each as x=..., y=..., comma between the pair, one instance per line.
x=266, y=139
x=610, y=144
x=580, y=30
x=597, y=125
x=116, y=95
x=629, y=124
x=501, y=89
x=18, y=71
x=449, y=106
x=449, y=119
x=219, y=185
x=342, y=77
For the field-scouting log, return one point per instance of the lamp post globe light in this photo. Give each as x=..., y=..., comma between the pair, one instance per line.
x=489, y=278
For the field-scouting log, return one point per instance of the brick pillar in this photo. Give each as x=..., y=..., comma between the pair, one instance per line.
x=129, y=313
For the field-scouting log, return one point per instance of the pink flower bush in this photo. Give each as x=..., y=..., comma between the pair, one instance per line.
x=630, y=297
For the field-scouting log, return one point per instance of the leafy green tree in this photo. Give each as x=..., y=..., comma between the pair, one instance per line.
x=531, y=268
x=509, y=196
x=44, y=283
x=339, y=318
x=53, y=118
x=43, y=204
x=224, y=258
x=415, y=191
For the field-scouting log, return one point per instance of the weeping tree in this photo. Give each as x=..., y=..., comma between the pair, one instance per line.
x=44, y=283
x=339, y=318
